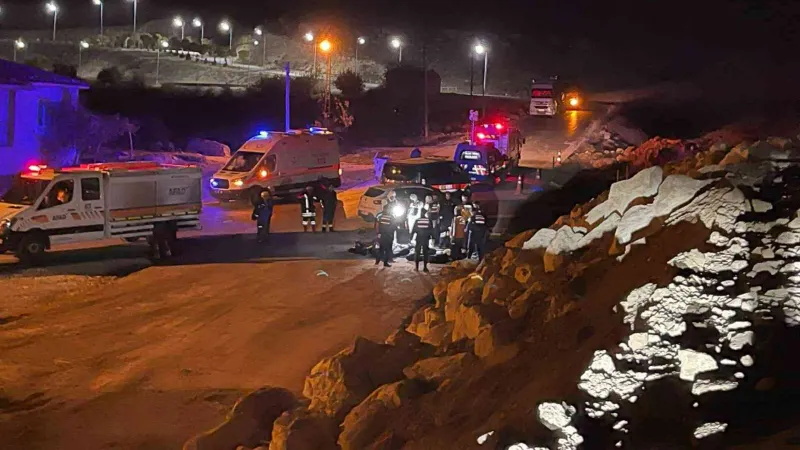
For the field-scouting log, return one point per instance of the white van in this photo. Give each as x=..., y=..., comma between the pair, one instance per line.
x=284, y=163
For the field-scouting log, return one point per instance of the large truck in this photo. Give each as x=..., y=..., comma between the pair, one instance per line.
x=93, y=202
x=544, y=100
x=281, y=162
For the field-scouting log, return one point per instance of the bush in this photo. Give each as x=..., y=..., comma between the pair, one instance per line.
x=109, y=76
x=350, y=84
x=66, y=70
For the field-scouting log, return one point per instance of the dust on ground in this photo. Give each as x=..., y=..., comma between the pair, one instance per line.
x=145, y=361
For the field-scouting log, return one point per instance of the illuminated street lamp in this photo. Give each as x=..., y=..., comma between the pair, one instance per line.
x=326, y=48
x=19, y=44
x=260, y=32
x=81, y=47
x=52, y=8
x=309, y=37
x=100, y=4
x=178, y=22
x=135, y=7
x=197, y=23
x=161, y=45
x=360, y=41
x=480, y=49
x=225, y=26
x=397, y=44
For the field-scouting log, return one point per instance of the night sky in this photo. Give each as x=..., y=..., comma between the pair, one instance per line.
x=663, y=39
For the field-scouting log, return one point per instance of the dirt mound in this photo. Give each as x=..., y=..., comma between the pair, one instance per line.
x=653, y=316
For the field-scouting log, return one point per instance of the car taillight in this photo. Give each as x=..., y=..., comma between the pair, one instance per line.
x=481, y=136
x=377, y=202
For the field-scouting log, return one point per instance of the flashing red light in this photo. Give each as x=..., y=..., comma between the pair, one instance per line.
x=36, y=167
x=499, y=126
x=481, y=136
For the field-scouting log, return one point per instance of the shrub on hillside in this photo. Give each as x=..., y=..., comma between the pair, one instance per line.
x=110, y=76
x=350, y=84
x=66, y=70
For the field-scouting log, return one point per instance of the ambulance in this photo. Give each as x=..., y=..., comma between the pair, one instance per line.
x=281, y=162
x=93, y=202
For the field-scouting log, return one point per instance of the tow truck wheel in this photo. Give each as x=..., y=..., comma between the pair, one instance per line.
x=32, y=248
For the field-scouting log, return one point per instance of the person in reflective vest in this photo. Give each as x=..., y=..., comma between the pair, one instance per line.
x=433, y=208
x=414, y=211
x=308, y=211
x=477, y=232
x=262, y=214
x=458, y=233
x=386, y=227
x=329, y=203
x=423, y=228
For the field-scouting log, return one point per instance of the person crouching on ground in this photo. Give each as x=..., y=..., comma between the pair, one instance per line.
x=308, y=210
x=421, y=235
x=386, y=225
x=329, y=203
x=262, y=214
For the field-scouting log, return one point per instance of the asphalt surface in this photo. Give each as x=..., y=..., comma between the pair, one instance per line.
x=546, y=136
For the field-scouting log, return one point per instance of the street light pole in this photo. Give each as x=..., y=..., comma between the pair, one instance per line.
x=135, y=7
x=100, y=4
x=226, y=26
x=162, y=44
x=53, y=9
x=309, y=37
x=81, y=47
x=260, y=32
x=19, y=44
x=360, y=41
x=179, y=23
x=197, y=23
x=398, y=44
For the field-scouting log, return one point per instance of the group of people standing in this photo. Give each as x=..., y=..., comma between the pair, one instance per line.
x=325, y=195
x=461, y=226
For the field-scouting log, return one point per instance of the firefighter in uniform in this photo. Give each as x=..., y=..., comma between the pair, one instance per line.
x=458, y=233
x=262, y=214
x=477, y=231
x=423, y=228
x=386, y=227
x=308, y=211
x=329, y=203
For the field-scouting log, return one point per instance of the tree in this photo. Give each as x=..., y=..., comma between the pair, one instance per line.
x=38, y=61
x=110, y=76
x=66, y=70
x=71, y=132
x=350, y=84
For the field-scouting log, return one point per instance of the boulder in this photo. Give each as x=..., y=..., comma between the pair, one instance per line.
x=469, y=320
x=541, y=239
x=439, y=368
x=636, y=219
x=762, y=150
x=369, y=420
x=249, y=422
x=524, y=274
x=552, y=262
x=507, y=265
x=424, y=321
x=566, y=240
x=780, y=142
x=439, y=335
x=208, y=148
x=622, y=193
x=738, y=155
x=302, y=430
x=499, y=289
x=387, y=441
x=404, y=339
x=676, y=191
x=496, y=343
x=519, y=240
x=440, y=293
x=466, y=291
x=338, y=383
x=606, y=226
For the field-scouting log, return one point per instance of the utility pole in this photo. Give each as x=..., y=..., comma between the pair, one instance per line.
x=286, y=98
x=471, y=75
x=425, y=81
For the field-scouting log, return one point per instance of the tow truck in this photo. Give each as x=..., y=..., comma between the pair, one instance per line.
x=92, y=202
x=572, y=99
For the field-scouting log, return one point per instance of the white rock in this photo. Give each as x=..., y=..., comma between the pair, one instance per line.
x=746, y=360
x=788, y=238
x=739, y=340
x=541, y=239
x=676, y=191
x=554, y=416
x=766, y=266
x=484, y=437
x=635, y=219
x=566, y=240
x=635, y=301
x=716, y=207
x=622, y=193
x=760, y=206
x=606, y=226
x=693, y=363
x=794, y=224
x=707, y=429
x=701, y=387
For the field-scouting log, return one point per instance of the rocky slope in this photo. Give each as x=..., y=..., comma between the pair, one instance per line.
x=659, y=315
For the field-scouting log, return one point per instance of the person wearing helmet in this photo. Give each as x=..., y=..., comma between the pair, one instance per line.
x=308, y=210
x=262, y=214
x=414, y=211
x=477, y=232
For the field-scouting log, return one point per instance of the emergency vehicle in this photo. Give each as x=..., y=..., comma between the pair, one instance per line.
x=441, y=174
x=282, y=162
x=543, y=99
x=97, y=201
x=502, y=135
x=483, y=163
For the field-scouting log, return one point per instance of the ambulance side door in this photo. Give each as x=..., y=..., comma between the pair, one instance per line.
x=90, y=206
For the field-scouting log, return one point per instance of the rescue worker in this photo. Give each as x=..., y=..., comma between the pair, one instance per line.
x=446, y=215
x=308, y=211
x=262, y=214
x=432, y=207
x=466, y=204
x=422, y=232
x=414, y=211
x=477, y=232
x=458, y=233
x=329, y=203
x=386, y=228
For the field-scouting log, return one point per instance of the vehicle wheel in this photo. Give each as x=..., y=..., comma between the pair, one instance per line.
x=32, y=248
x=131, y=240
x=337, y=182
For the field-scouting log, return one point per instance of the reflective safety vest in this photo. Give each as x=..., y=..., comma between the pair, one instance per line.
x=385, y=223
x=307, y=207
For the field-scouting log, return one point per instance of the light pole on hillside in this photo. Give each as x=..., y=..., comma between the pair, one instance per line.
x=227, y=27
x=309, y=37
x=135, y=7
x=81, y=47
x=52, y=8
x=100, y=4
x=19, y=45
x=178, y=22
x=161, y=45
x=397, y=44
x=197, y=23
x=260, y=32
x=481, y=49
x=359, y=42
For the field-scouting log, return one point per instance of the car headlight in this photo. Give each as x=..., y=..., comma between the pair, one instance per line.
x=238, y=183
x=398, y=210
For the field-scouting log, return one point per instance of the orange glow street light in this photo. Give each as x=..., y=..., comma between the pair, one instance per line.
x=325, y=46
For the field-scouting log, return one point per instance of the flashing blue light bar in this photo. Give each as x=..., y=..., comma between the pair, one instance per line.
x=318, y=130
x=214, y=183
x=263, y=134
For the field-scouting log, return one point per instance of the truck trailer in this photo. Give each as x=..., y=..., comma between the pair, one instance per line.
x=93, y=202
